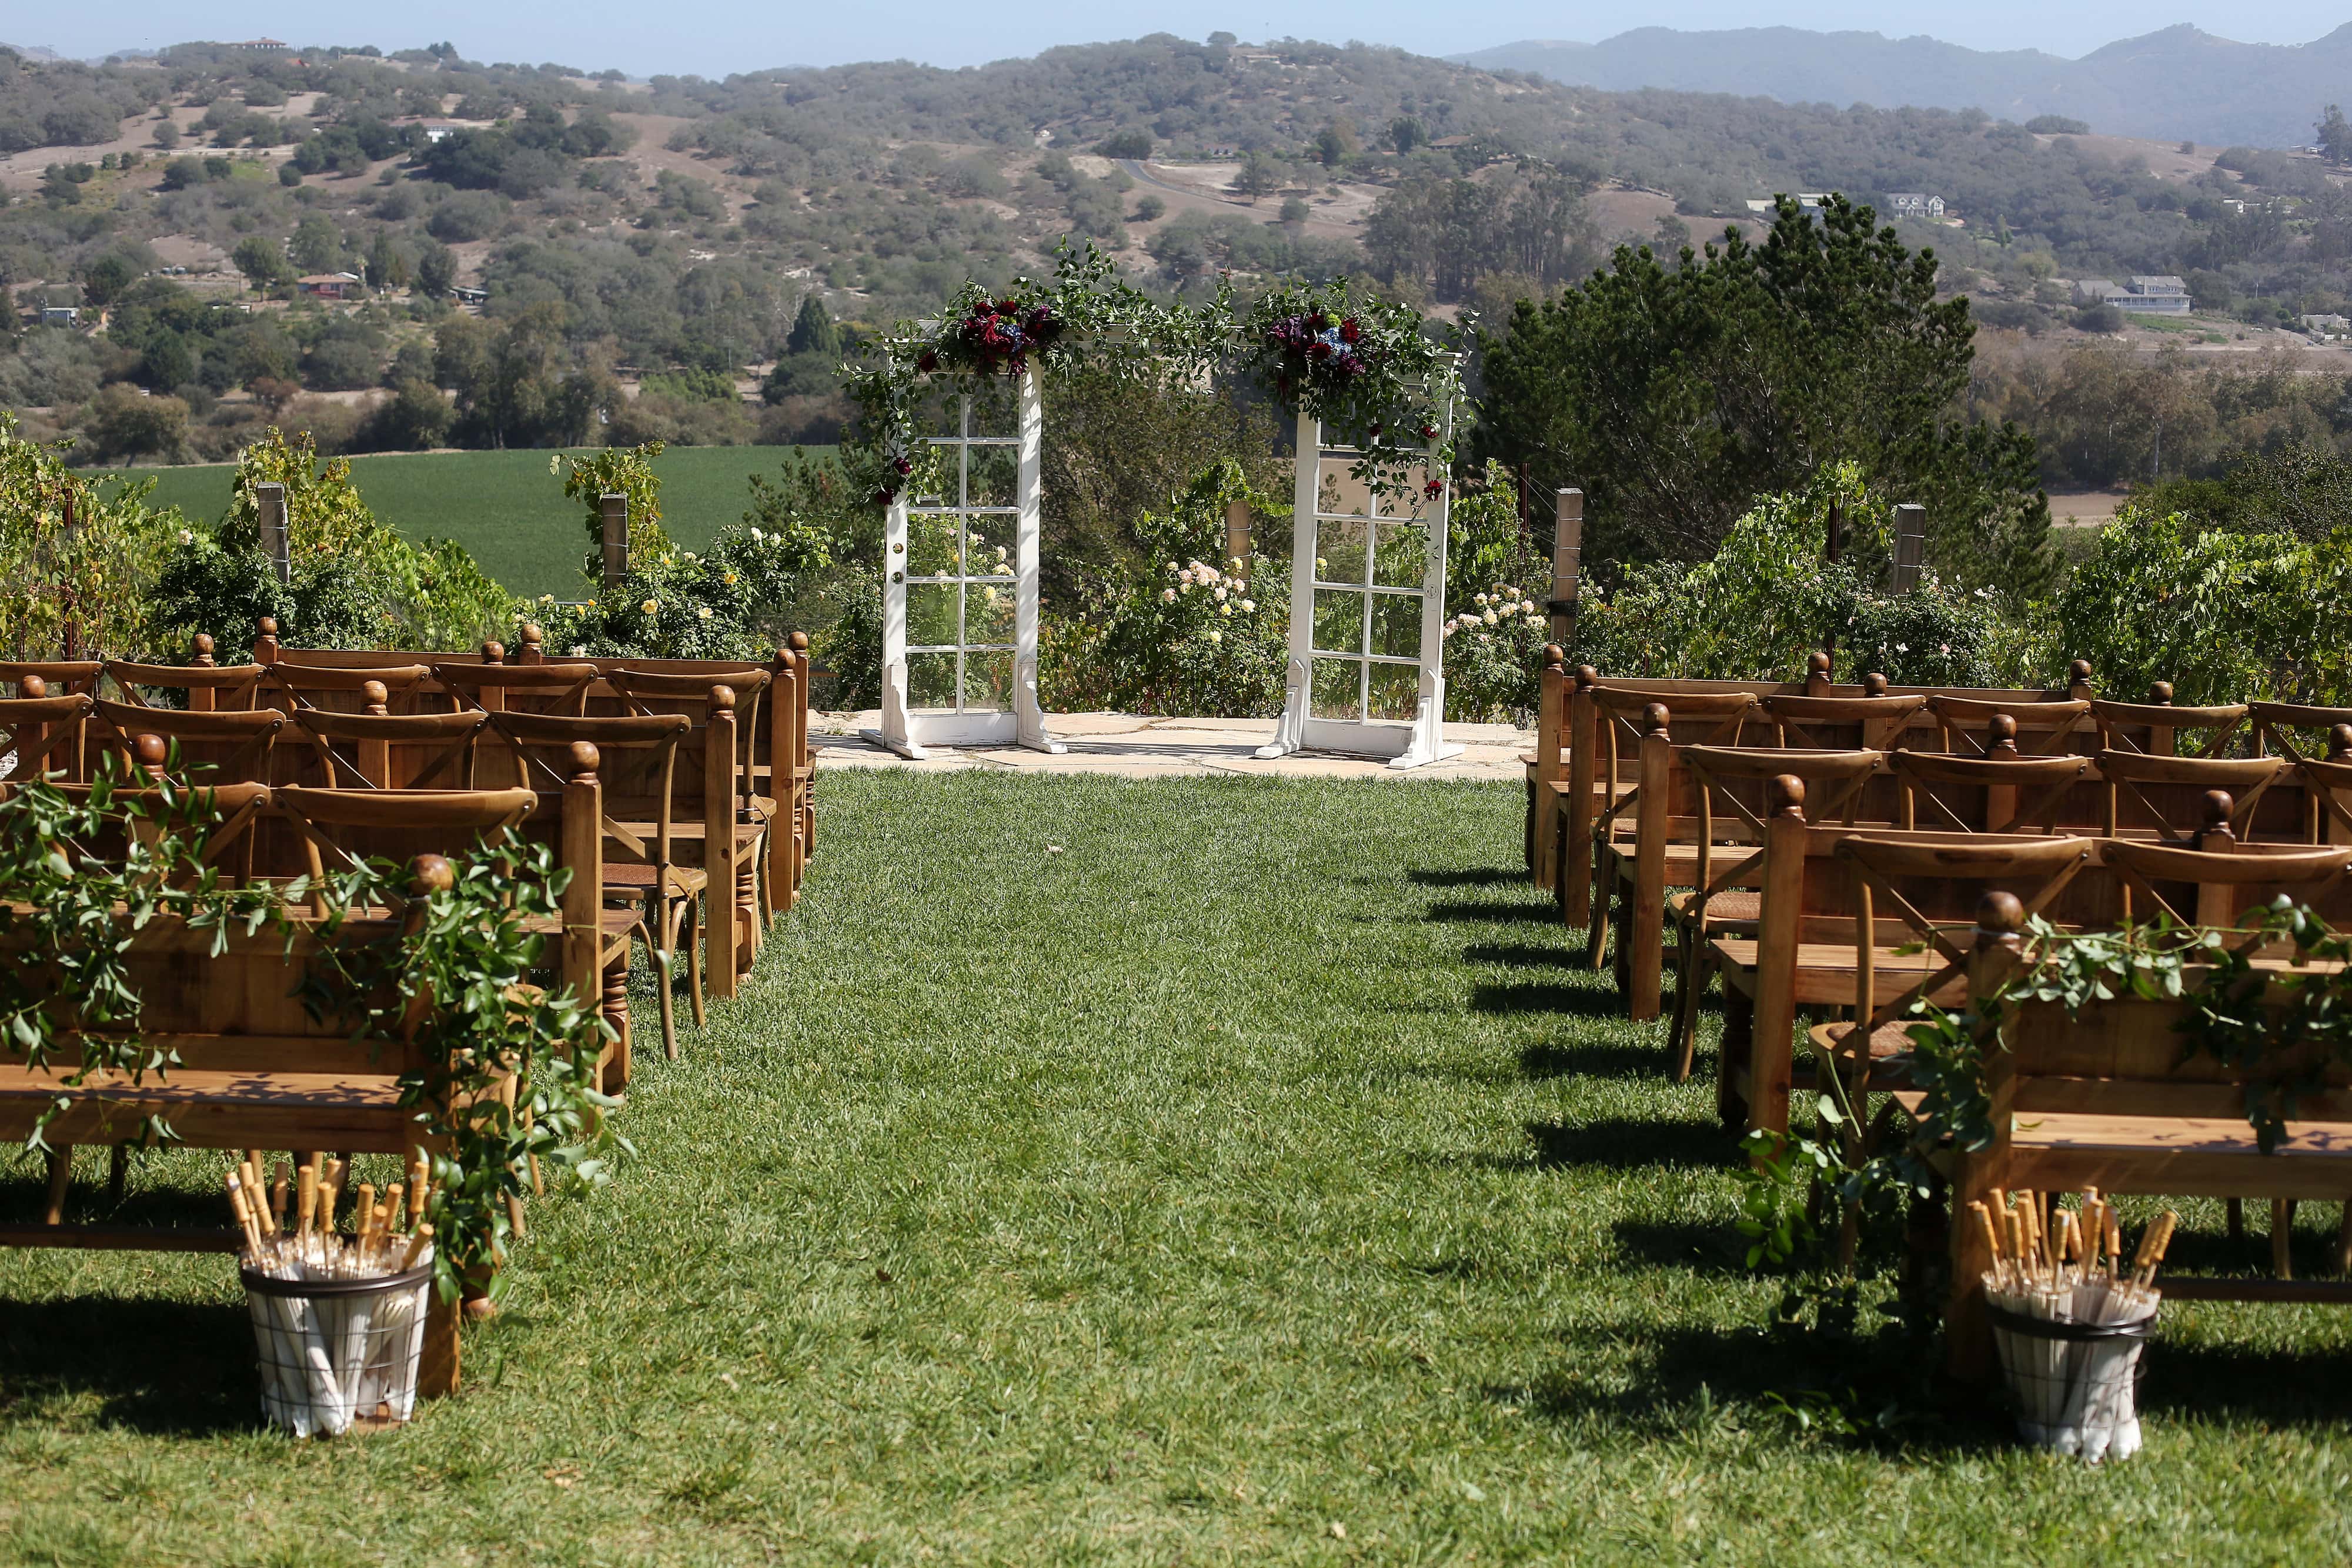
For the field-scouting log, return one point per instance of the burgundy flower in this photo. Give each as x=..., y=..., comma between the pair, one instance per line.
x=1375, y=432
x=928, y=360
x=1435, y=485
x=1008, y=308
x=1318, y=321
x=1319, y=350
x=904, y=467
x=1429, y=432
x=1349, y=330
x=885, y=495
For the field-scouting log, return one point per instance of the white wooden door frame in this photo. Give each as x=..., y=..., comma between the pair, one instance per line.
x=906, y=729
x=1404, y=744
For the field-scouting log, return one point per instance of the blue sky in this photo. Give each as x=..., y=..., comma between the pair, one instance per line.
x=713, y=38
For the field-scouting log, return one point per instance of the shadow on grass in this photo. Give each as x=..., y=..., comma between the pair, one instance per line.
x=1631, y=1144
x=2272, y=1387
x=24, y=1201
x=1469, y=876
x=1527, y=956
x=1580, y=999
x=1527, y=911
x=1697, y=1248
x=169, y=1368
x=1633, y=1061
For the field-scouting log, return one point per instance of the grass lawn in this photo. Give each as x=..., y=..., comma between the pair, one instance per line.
x=503, y=506
x=1261, y=1168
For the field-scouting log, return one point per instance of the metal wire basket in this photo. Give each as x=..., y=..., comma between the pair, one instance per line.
x=338, y=1354
x=2075, y=1384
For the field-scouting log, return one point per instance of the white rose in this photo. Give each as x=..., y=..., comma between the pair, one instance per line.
x=1220, y=596
x=1225, y=609
x=1249, y=606
x=1490, y=618
x=1168, y=596
x=1216, y=635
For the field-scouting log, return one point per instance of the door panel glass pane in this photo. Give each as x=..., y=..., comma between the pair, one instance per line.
x=1333, y=689
x=1396, y=625
x=1340, y=551
x=987, y=613
x=931, y=682
x=994, y=477
x=995, y=407
x=1339, y=490
x=1396, y=691
x=990, y=555
x=1339, y=619
x=930, y=546
x=988, y=682
x=931, y=614
x=1402, y=561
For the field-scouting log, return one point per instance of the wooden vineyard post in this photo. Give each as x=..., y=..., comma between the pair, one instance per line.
x=1573, y=884
x=270, y=504
x=613, y=512
x=1910, y=545
x=1237, y=534
x=1567, y=564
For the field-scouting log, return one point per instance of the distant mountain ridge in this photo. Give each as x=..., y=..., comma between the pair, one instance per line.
x=2178, y=82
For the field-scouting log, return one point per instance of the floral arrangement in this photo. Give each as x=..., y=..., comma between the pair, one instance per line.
x=1361, y=365
x=1034, y=325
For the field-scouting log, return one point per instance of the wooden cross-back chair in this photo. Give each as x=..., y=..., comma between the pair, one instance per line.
x=738, y=865
x=2044, y=727
x=204, y=686
x=2020, y=793
x=1870, y=1051
x=1724, y=900
x=2157, y=726
x=2224, y=876
x=230, y=745
x=1873, y=722
x=223, y=818
x=1631, y=873
x=376, y=749
x=62, y=677
x=639, y=870
x=1801, y=954
x=2275, y=725
x=41, y=736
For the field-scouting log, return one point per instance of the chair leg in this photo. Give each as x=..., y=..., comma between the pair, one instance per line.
x=665, y=955
x=2236, y=1217
x=693, y=927
x=1596, y=938
x=60, y=1178
x=1690, y=988
x=2283, y=1237
x=118, y=1171
x=2344, y=1241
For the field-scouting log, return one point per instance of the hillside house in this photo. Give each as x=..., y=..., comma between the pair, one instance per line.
x=1914, y=204
x=329, y=285
x=2144, y=294
x=60, y=315
x=2327, y=326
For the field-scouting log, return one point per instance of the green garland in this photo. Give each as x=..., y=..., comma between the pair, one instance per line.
x=1086, y=317
x=80, y=884
x=1367, y=368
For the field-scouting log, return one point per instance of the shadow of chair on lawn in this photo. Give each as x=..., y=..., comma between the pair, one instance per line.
x=1628, y=1142
x=169, y=1368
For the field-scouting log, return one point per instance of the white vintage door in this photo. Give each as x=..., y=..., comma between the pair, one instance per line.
x=959, y=588
x=1367, y=601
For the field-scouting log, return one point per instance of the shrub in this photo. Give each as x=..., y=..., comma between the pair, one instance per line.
x=1184, y=630
x=102, y=574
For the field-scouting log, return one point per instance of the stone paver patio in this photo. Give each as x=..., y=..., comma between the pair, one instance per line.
x=1143, y=748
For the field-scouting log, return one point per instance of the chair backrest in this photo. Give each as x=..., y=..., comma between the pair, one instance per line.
x=227, y=746
x=2001, y=791
x=294, y=688
x=639, y=763
x=518, y=688
x=42, y=736
x=2214, y=880
x=379, y=751
x=1872, y=723
x=2157, y=726
x=60, y=677
x=2044, y=725
x=2167, y=795
x=205, y=686
x=1915, y=883
x=2276, y=723
x=341, y=828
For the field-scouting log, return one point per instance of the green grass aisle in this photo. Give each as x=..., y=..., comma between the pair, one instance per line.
x=1258, y=1179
